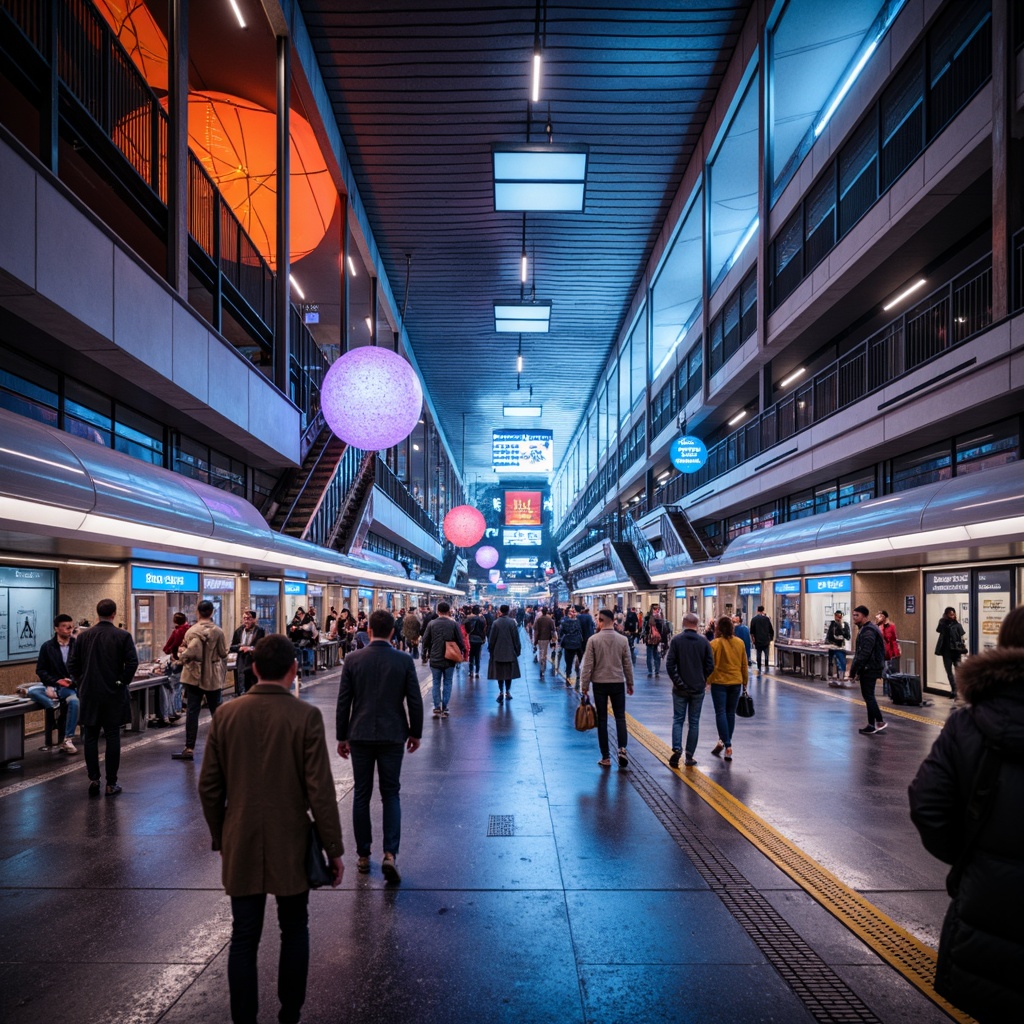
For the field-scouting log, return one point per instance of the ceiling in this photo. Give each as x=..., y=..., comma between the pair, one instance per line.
x=422, y=89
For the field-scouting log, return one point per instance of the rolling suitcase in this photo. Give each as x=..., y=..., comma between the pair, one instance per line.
x=905, y=689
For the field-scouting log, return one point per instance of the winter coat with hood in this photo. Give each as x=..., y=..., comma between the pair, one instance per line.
x=981, y=949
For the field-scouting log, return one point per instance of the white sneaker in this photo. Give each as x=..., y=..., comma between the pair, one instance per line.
x=68, y=747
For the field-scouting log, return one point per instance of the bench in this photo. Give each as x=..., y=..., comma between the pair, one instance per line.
x=804, y=659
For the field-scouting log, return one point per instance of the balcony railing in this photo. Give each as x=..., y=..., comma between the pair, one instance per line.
x=322, y=524
x=400, y=495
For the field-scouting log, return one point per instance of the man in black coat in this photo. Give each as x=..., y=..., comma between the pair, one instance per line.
x=762, y=632
x=689, y=663
x=379, y=717
x=243, y=643
x=868, y=663
x=103, y=663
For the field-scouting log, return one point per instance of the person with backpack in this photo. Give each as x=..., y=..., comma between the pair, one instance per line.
x=204, y=659
x=476, y=631
x=868, y=665
x=655, y=633
x=570, y=638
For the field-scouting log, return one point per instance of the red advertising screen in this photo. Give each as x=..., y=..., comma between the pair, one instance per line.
x=522, y=508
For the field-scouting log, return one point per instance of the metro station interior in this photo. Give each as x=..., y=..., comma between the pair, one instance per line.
x=706, y=306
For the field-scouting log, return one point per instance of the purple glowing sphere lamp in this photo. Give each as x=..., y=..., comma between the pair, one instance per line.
x=464, y=526
x=486, y=557
x=371, y=398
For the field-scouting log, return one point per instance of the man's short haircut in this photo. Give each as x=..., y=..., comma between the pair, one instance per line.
x=476, y=609
x=58, y=619
x=839, y=613
x=249, y=612
x=544, y=609
x=760, y=607
x=606, y=613
x=862, y=609
x=273, y=656
x=503, y=609
x=179, y=618
x=205, y=609
x=443, y=607
x=691, y=620
x=106, y=609
x=884, y=613
x=382, y=624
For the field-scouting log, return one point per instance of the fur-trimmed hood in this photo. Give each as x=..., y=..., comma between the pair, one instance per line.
x=992, y=684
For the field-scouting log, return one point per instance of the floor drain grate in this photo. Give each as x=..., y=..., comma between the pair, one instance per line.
x=536, y=708
x=828, y=998
x=501, y=824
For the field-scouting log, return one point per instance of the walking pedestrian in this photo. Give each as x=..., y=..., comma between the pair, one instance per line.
x=543, y=633
x=103, y=663
x=503, y=649
x=950, y=646
x=256, y=799
x=762, y=633
x=442, y=630
x=379, y=717
x=868, y=664
x=570, y=639
x=655, y=633
x=203, y=655
x=689, y=663
x=728, y=680
x=607, y=664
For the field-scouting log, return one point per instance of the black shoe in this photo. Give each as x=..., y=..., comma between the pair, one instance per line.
x=389, y=869
x=113, y=790
x=673, y=761
x=868, y=730
x=508, y=695
x=623, y=760
x=94, y=789
x=501, y=697
x=689, y=762
x=185, y=755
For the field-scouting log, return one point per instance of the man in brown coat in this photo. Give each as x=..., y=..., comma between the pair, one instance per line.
x=255, y=796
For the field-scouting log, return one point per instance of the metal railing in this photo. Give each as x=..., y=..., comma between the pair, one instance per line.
x=386, y=480
x=309, y=366
x=632, y=534
x=326, y=516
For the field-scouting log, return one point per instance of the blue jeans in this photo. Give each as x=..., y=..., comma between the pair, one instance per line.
x=442, y=686
x=839, y=657
x=681, y=704
x=293, y=965
x=725, y=699
x=632, y=648
x=64, y=693
x=653, y=658
x=388, y=759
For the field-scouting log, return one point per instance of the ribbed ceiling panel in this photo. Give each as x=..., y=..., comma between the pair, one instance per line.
x=421, y=90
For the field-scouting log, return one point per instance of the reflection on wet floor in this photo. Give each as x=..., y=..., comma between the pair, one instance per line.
x=536, y=885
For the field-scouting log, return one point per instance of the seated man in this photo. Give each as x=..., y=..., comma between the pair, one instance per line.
x=55, y=686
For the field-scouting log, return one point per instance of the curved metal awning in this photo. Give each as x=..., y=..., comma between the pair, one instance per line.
x=61, y=492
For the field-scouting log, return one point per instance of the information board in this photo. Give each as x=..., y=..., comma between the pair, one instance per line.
x=26, y=611
x=522, y=451
x=523, y=508
x=522, y=538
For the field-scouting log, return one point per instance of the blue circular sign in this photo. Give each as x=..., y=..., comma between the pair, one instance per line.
x=688, y=454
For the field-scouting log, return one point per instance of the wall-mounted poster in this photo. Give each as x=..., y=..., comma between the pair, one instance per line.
x=523, y=508
x=522, y=451
x=26, y=611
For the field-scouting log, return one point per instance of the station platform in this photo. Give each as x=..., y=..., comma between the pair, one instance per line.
x=788, y=885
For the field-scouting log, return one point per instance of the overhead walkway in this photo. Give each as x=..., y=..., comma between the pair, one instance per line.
x=536, y=885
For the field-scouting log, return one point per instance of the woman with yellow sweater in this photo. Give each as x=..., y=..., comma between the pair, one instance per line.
x=727, y=682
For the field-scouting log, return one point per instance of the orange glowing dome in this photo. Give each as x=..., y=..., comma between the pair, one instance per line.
x=235, y=140
x=137, y=31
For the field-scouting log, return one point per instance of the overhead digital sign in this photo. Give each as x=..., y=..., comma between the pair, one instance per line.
x=522, y=451
x=522, y=562
x=523, y=508
x=522, y=538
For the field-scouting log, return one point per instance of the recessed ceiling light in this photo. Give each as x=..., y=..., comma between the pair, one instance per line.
x=523, y=410
x=522, y=317
x=539, y=176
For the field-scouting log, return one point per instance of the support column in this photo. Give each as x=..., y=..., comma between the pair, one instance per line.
x=373, y=310
x=1006, y=159
x=283, y=305
x=346, y=275
x=49, y=117
x=177, y=147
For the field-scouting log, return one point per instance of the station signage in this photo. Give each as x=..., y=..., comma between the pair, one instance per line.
x=293, y=589
x=750, y=590
x=787, y=587
x=680, y=593
x=218, y=584
x=828, y=585
x=688, y=454
x=176, y=580
x=522, y=451
x=947, y=582
x=711, y=591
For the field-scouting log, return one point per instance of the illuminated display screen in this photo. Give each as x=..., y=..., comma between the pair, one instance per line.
x=522, y=562
x=522, y=508
x=522, y=538
x=525, y=451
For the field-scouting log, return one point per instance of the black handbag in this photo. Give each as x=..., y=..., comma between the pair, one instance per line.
x=745, y=705
x=318, y=864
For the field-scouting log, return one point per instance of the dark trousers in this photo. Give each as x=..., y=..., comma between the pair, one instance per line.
x=764, y=651
x=293, y=966
x=616, y=693
x=949, y=663
x=867, y=691
x=388, y=759
x=474, y=657
x=110, y=720
x=195, y=699
x=572, y=657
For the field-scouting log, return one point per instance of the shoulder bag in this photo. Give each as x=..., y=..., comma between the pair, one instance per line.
x=745, y=705
x=586, y=717
x=318, y=865
x=453, y=651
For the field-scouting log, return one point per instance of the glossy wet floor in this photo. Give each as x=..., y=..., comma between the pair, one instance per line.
x=536, y=885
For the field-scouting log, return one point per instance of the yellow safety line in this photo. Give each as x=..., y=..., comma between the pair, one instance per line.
x=832, y=692
x=894, y=944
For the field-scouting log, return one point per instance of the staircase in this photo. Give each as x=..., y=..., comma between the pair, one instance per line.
x=635, y=569
x=355, y=502
x=446, y=573
x=302, y=490
x=696, y=547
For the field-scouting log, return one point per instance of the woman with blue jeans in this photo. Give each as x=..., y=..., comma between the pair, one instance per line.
x=727, y=682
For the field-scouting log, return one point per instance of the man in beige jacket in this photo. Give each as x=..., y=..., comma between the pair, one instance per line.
x=607, y=664
x=203, y=655
x=255, y=797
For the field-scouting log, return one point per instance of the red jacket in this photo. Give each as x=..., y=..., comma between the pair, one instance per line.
x=175, y=639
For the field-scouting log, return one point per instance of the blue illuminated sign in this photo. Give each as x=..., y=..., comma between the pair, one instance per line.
x=787, y=587
x=145, y=578
x=711, y=591
x=263, y=588
x=688, y=454
x=680, y=593
x=829, y=585
x=295, y=589
x=750, y=590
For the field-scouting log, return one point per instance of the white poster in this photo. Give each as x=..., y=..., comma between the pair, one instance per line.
x=29, y=614
x=3, y=623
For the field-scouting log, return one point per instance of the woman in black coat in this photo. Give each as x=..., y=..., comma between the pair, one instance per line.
x=981, y=949
x=503, y=649
x=950, y=646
